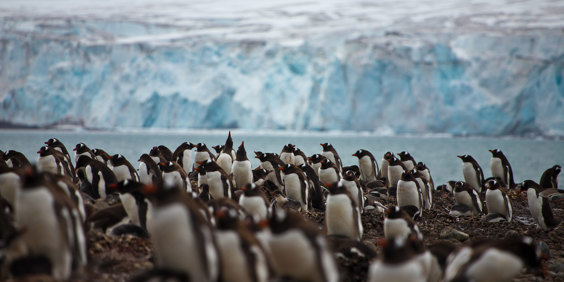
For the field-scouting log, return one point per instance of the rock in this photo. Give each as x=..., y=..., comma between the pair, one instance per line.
x=512, y=234
x=451, y=233
x=556, y=267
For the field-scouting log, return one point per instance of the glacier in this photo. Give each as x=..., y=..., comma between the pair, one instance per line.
x=454, y=67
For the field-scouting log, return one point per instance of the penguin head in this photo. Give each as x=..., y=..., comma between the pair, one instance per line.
x=336, y=188
x=388, y=155
x=226, y=218
x=493, y=184
x=393, y=212
x=79, y=147
x=359, y=153
x=52, y=141
x=421, y=166
x=325, y=163
x=404, y=156
x=556, y=169
x=350, y=175
x=117, y=160
x=496, y=152
x=289, y=148
x=44, y=151
x=459, y=186
x=407, y=176
x=249, y=189
x=316, y=158
x=218, y=148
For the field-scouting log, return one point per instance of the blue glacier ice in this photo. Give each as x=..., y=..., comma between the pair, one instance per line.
x=415, y=78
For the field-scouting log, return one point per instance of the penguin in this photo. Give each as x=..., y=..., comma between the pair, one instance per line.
x=472, y=172
x=315, y=161
x=95, y=175
x=497, y=201
x=82, y=150
x=259, y=175
x=399, y=224
x=53, y=161
x=354, y=188
x=254, y=202
x=298, y=251
x=242, y=171
x=225, y=158
x=398, y=262
x=342, y=215
x=330, y=153
x=102, y=156
x=539, y=205
x=218, y=149
x=501, y=168
x=409, y=194
x=202, y=154
x=368, y=166
x=448, y=187
x=464, y=194
x=10, y=183
x=296, y=185
x=549, y=178
x=123, y=169
x=52, y=224
x=241, y=255
x=133, y=200
x=299, y=157
x=183, y=156
x=407, y=160
x=182, y=239
x=395, y=170
x=173, y=173
x=384, y=165
x=67, y=185
x=328, y=172
x=279, y=201
x=156, y=155
x=425, y=174
x=493, y=260
x=316, y=192
x=219, y=182
x=426, y=190
x=287, y=154
x=271, y=163
x=149, y=171
x=59, y=146
x=16, y=159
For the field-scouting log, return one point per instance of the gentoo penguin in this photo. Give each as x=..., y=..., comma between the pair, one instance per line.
x=183, y=156
x=157, y=155
x=149, y=171
x=539, y=205
x=398, y=262
x=218, y=149
x=342, y=215
x=426, y=190
x=472, y=172
x=102, y=156
x=493, y=260
x=219, y=182
x=316, y=192
x=82, y=150
x=328, y=172
x=409, y=195
x=271, y=162
x=501, y=168
x=133, y=200
x=399, y=224
x=181, y=237
x=287, y=154
x=225, y=158
x=173, y=173
x=464, y=194
x=315, y=161
x=384, y=165
x=497, y=201
x=259, y=175
x=425, y=174
x=279, y=201
x=407, y=160
x=52, y=224
x=367, y=165
x=395, y=170
x=202, y=154
x=165, y=152
x=330, y=153
x=97, y=176
x=298, y=251
x=296, y=185
x=10, y=183
x=53, y=161
x=253, y=201
x=549, y=178
x=448, y=187
x=59, y=146
x=242, y=171
x=299, y=157
x=16, y=159
x=354, y=188
x=123, y=169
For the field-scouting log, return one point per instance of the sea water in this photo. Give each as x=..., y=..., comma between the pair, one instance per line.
x=528, y=157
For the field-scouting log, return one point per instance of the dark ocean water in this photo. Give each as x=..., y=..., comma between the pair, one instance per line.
x=528, y=157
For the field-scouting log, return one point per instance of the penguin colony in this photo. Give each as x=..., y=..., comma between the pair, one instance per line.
x=212, y=217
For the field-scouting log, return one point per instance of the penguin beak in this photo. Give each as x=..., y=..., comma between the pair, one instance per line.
x=460, y=157
x=113, y=186
x=243, y=189
x=200, y=163
x=263, y=223
x=280, y=168
x=220, y=214
x=149, y=189
x=382, y=242
x=161, y=164
x=74, y=149
x=491, y=151
x=39, y=152
x=46, y=142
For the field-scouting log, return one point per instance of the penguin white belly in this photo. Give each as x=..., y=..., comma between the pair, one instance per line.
x=242, y=173
x=497, y=168
x=494, y=265
x=187, y=160
x=339, y=216
x=394, y=175
x=355, y=191
x=330, y=156
x=470, y=176
x=367, y=169
x=287, y=158
x=299, y=160
x=427, y=200
x=215, y=184
x=200, y=157
x=293, y=188
x=384, y=169
x=122, y=173
x=396, y=228
x=202, y=179
x=412, y=271
x=234, y=264
x=9, y=186
x=130, y=206
x=408, y=195
x=267, y=166
x=254, y=206
x=144, y=176
x=456, y=261
x=101, y=185
x=328, y=175
x=535, y=207
x=48, y=164
x=225, y=162
x=316, y=168
x=465, y=199
x=408, y=165
x=156, y=159
x=496, y=204
x=174, y=241
x=174, y=177
x=76, y=156
x=43, y=236
x=293, y=255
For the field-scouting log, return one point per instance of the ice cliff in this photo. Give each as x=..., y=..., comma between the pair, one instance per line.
x=485, y=72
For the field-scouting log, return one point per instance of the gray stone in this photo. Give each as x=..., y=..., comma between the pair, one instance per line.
x=451, y=233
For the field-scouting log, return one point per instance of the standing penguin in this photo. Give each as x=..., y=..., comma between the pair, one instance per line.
x=242, y=171
x=399, y=224
x=497, y=201
x=395, y=170
x=472, y=172
x=501, y=168
x=271, y=162
x=299, y=157
x=409, y=195
x=133, y=200
x=298, y=251
x=354, y=188
x=367, y=165
x=549, y=178
x=253, y=201
x=149, y=171
x=82, y=150
x=102, y=156
x=315, y=162
x=328, y=172
x=342, y=215
x=123, y=169
x=202, y=154
x=219, y=182
x=330, y=153
x=296, y=185
x=225, y=158
x=16, y=159
x=287, y=154
x=96, y=176
x=425, y=174
x=173, y=173
x=183, y=156
x=398, y=262
x=384, y=168
x=539, y=205
x=59, y=146
x=53, y=161
x=407, y=160
x=466, y=195
x=10, y=183
x=316, y=193
x=426, y=190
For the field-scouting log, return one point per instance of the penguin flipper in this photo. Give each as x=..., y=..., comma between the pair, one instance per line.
x=551, y=221
x=508, y=207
